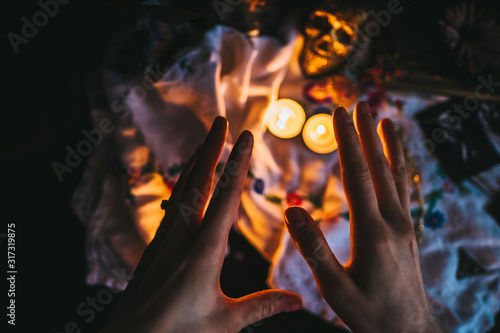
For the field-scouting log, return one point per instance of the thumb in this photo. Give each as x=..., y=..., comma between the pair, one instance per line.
x=313, y=246
x=251, y=309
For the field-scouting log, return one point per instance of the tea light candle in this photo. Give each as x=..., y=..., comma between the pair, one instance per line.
x=285, y=118
x=318, y=134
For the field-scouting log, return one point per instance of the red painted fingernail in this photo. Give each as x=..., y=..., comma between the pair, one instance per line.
x=342, y=114
x=291, y=305
x=295, y=217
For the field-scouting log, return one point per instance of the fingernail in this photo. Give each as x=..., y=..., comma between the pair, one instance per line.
x=365, y=109
x=218, y=123
x=295, y=217
x=342, y=114
x=291, y=305
x=247, y=139
x=244, y=145
x=388, y=125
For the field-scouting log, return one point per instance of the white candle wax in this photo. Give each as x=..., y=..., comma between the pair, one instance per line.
x=285, y=118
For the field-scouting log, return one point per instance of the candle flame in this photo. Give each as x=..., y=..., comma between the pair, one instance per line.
x=283, y=117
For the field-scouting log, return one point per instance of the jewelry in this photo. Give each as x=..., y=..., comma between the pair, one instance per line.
x=165, y=203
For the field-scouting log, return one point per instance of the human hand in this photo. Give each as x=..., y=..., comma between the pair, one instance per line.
x=176, y=286
x=380, y=289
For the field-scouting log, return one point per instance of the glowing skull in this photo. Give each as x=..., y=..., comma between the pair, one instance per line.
x=330, y=34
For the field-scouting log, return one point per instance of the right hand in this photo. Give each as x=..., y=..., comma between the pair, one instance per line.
x=380, y=289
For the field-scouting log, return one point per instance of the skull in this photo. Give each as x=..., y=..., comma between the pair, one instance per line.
x=330, y=34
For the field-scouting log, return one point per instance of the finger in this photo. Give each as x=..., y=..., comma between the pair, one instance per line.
x=170, y=205
x=356, y=178
x=198, y=186
x=385, y=188
x=263, y=304
x=393, y=150
x=175, y=196
x=312, y=244
x=223, y=207
x=170, y=210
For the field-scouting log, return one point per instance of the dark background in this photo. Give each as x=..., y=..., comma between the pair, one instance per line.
x=45, y=109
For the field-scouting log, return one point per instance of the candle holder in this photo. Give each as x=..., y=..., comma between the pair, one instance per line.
x=285, y=118
x=319, y=135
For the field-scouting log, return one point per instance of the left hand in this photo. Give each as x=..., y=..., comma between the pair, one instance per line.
x=176, y=286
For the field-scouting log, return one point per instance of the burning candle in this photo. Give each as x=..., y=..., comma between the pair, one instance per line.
x=318, y=134
x=285, y=118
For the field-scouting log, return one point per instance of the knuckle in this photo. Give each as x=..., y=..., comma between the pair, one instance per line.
x=399, y=223
x=399, y=171
x=267, y=309
x=389, y=211
x=226, y=193
x=384, y=237
x=357, y=167
x=406, y=229
x=321, y=252
x=376, y=231
x=381, y=164
x=311, y=245
x=381, y=160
